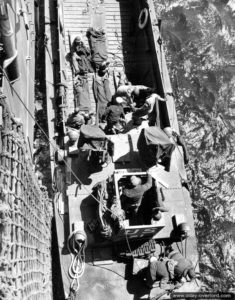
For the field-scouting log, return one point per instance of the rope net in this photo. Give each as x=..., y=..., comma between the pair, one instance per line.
x=25, y=219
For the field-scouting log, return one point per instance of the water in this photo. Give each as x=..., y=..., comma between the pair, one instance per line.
x=199, y=39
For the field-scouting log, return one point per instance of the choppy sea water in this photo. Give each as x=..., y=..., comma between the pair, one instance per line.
x=199, y=42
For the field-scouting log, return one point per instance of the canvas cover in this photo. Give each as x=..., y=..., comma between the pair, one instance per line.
x=154, y=144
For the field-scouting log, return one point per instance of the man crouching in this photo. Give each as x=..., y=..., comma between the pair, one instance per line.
x=168, y=273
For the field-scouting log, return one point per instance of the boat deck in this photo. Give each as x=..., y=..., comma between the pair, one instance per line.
x=98, y=282
x=116, y=18
x=105, y=277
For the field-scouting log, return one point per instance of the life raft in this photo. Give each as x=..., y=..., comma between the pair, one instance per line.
x=143, y=18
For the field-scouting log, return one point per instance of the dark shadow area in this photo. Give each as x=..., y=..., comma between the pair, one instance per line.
x=137, y=50
x=147, y=204
x=140, y=59
x=89, y=213
x=137, y=287
x=135, y=283
x=54, y=42
x=124, y=162
x=84, y=168
x=57, y=284
x=66, y=233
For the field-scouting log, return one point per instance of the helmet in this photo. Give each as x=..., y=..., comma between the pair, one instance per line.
x=157, y=216
x=77, y=42
x=184, y=229
x=135, y=180
x=79, y=119
x=77, y=39
x=119, y=100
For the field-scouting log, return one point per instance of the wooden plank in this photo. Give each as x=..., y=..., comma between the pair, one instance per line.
x=109, y=20
x=111, y=26
x=77, y=23
x=110, y=16
x=110, y=10
x=69, y=19
x=107, y=4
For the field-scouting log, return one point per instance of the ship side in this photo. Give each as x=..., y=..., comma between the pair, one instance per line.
x=24, y=204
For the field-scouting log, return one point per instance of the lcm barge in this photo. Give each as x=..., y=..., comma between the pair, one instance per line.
x=101, y=247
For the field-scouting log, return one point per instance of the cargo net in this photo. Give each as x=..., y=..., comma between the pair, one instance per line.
x=25, y=215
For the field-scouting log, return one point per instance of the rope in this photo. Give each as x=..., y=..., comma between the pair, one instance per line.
x=77, y=265
x=178, y=248
x=129, y=248
x=128, y=244
x=181, y=245
x=185, y=247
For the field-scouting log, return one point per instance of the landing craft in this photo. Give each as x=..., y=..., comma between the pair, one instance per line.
x=103, y=245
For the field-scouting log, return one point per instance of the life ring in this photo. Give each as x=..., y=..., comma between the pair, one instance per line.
x=143, y=18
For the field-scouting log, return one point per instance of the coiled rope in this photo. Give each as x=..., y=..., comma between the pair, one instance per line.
x=76, y=244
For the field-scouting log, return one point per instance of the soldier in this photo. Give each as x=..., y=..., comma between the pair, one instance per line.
x=115, y=116
x=184, y=266
x=169, y=271
x=132, y=197
x=80, y=57
x=147, y=109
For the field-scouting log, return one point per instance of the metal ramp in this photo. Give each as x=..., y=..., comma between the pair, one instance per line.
x=78, y=17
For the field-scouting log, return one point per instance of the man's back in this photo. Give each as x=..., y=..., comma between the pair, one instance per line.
x=114, y=112
x=183, y=264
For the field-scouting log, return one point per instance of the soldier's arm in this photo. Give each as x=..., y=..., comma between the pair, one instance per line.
x=75, y=63
x=159, y=97
x=148, y=184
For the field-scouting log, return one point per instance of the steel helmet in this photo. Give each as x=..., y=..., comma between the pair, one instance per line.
x=119, y=100
x=157, y=216
x=135, y=180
